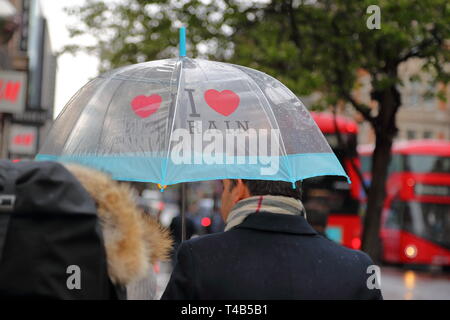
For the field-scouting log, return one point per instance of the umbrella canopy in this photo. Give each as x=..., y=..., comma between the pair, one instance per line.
x=181, y=120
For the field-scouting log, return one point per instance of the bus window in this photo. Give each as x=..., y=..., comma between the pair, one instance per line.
x=394, y=218
x=408, y=220
x=427, y=163
x=396, y=164
x=366, y=163
x=430, y=221
x=436, y=220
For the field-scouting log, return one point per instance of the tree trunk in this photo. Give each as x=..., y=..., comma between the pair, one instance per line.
x=375, y=200
x=385, y=131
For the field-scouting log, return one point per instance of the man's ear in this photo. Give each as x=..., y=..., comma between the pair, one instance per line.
x=241, y=190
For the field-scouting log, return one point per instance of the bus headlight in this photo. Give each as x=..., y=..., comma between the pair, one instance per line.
x=411, y=251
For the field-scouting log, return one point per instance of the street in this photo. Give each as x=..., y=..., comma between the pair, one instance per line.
x=396, y=283
x=400, y=284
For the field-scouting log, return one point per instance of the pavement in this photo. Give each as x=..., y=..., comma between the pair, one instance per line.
x=163, y=276
x=397, y=283
x=406, y=284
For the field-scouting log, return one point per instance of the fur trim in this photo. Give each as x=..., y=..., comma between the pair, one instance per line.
x=133, y=240
x=157, y=238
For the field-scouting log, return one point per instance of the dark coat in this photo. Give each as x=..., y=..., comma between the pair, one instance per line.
x=176, y=232
x=269, y=256
x=51, y=225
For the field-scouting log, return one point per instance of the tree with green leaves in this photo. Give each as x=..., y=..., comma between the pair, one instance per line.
x=310, y=45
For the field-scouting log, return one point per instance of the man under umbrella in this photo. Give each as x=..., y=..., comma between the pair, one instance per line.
x=268, y=251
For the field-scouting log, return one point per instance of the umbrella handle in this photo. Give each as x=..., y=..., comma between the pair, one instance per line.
x=183, y=212
x=182, y=42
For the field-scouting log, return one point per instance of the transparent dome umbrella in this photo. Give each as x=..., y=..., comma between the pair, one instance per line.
x=180, y=120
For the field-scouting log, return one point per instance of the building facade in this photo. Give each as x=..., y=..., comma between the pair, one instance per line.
x=27, y=82
x=422, y=114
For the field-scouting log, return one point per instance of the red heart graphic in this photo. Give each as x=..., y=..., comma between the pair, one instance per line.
x=224, y=102
x=145, y=106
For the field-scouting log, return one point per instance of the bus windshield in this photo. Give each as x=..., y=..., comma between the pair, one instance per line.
x=430, y=221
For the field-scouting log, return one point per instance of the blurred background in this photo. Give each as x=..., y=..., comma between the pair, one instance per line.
x=375, y=79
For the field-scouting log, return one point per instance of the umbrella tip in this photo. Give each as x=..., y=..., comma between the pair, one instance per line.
x=183, y=42
x=294, y=186
x=162, y=187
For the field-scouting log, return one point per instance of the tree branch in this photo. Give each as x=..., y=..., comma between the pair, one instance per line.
x=360, y=107
x=417, y=51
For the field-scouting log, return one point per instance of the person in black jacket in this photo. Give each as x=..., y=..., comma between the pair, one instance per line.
x=71, y=232
x=176, y=231
x=268, y=251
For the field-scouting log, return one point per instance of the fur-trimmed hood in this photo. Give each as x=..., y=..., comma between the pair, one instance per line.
x=133, y=240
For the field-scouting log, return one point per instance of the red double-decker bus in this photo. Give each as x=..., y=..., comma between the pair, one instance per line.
x=416, y=216
x=341, y=198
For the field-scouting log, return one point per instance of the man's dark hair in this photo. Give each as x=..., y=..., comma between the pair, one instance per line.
x=270, y=187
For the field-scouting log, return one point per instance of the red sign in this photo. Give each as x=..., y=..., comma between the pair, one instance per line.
x=9, y=90
x=12, y=91
x=22, y=139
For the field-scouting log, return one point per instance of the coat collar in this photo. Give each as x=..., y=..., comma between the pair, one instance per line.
x=267, y=221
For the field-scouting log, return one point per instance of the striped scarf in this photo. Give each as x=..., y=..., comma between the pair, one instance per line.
x=268, y=203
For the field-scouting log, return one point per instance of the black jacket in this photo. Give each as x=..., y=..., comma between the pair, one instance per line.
x=48, y=223
x=269, y=256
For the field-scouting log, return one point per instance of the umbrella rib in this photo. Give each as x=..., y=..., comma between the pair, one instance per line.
x=162, y=82
x=173, y=120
